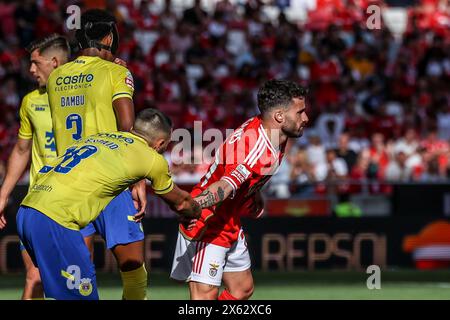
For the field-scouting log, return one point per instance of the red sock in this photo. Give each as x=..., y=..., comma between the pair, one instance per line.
x=225, y=295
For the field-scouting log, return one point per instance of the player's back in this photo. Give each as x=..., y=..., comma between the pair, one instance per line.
x=74, y=188
x=81, y=94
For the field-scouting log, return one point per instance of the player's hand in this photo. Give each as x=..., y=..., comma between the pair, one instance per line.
x=120, y=62
x=139, y=216
x=188, y=223
x=3, y=203
x=139, y=196
x=256, y=208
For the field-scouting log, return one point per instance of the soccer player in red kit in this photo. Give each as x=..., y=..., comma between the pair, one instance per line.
x=214, y=248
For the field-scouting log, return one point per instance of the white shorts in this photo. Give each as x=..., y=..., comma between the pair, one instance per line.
x=205, y=262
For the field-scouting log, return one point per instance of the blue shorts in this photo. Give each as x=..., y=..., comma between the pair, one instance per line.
x=61, y=255
x=115, y=223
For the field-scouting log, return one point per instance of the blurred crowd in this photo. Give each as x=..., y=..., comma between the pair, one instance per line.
x=379, y=103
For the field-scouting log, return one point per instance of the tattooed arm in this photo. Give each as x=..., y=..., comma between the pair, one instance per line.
x=214, y=194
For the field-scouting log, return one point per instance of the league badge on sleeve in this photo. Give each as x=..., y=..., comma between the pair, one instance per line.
x=129, y=80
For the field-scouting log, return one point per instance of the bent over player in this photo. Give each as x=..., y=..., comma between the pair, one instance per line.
x=73, y=190
x=91, y=95
x=214, y=250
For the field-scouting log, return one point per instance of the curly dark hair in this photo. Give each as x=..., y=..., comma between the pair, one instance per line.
x=279, y=93
x=100, y=18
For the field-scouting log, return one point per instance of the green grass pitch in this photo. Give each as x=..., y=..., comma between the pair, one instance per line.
x=302, y=285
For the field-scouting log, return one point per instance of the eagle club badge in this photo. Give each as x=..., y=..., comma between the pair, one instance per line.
x=85, y=288
x=213, y=267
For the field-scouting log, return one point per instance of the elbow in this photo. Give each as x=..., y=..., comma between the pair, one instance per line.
x=125, y=127
x=124, y=122
x=23, y=150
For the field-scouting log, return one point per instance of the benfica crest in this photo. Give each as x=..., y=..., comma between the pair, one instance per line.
x=213, y=267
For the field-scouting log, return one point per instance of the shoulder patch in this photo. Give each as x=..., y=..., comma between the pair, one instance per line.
x=129, y=80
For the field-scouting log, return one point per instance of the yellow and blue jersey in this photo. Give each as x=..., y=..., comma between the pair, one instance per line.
x=36, y=124
x=81, y=93
x=76, y=187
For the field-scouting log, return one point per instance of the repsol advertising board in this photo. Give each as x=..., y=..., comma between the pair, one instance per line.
x=278, y=244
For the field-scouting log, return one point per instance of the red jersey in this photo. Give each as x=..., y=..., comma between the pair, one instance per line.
x=246, y=160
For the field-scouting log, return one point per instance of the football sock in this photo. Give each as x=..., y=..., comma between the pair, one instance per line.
x=134, y=284
x=225, y=295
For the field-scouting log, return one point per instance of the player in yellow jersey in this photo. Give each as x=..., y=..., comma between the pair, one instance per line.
x=35, y=136
x=73, y=190
x=91, y=95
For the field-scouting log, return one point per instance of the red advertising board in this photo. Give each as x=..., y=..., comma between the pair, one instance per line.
x=298, y=207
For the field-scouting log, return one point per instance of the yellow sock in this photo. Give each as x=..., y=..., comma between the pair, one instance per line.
x=134, y=284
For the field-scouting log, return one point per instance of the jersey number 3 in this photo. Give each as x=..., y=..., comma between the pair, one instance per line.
x=75, y=121
x=71, y=158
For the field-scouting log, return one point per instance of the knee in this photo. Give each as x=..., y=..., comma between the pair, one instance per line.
x=130, y=265
x=248, y=292
x=203, y=292
x=243, y=292
x=33, y=277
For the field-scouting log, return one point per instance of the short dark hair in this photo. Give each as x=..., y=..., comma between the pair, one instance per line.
x=53, y=41
x=154, y=119
x=100, y=31
x=279, y=93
